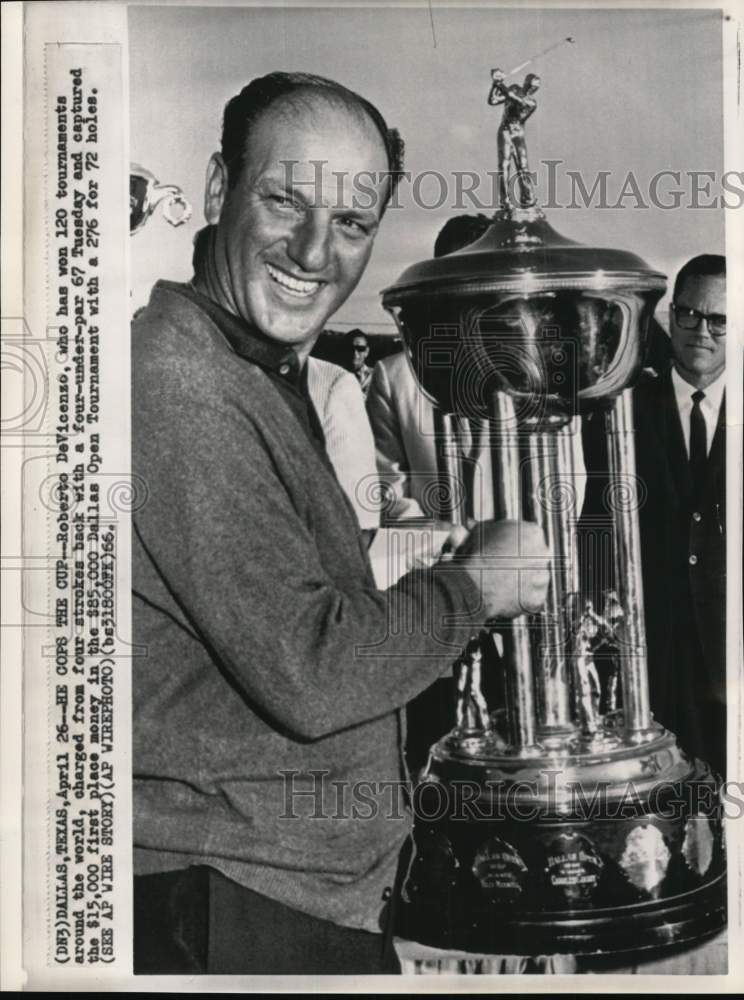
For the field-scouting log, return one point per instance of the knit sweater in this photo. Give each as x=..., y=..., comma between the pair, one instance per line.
x=266, y=663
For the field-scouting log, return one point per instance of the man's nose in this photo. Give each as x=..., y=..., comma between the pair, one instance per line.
x=308, y=245
x=703, y=337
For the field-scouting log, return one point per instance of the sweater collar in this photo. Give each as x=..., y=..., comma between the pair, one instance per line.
x=244, y=338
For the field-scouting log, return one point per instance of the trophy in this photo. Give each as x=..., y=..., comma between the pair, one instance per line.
x=146, y=193
x=565, y=820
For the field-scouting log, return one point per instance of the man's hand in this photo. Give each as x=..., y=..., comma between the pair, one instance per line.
x=508, y=561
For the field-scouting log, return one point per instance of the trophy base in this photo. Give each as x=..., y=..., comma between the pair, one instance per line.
x=642, y=928
x=612, y=851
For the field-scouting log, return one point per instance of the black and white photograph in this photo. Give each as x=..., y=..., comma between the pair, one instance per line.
x=381, y=483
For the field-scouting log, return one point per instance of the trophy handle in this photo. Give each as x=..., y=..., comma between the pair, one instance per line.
x=146, y=193
x=173, y=199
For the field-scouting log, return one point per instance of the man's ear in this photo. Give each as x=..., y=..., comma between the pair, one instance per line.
x=215, y=190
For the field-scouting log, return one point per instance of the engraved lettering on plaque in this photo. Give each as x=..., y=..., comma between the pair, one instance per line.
x=573, y=867
x=500, y=869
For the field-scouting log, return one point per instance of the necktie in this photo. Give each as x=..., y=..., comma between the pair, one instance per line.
x=698, y=441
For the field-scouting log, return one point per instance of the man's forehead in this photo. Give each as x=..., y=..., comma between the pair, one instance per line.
x=700, y=287
x=314, y=113
x=320, y=149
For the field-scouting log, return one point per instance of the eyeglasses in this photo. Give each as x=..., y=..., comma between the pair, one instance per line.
x=360, y=348
x=690, y=319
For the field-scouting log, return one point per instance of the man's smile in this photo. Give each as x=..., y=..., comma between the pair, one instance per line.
x=295, y=286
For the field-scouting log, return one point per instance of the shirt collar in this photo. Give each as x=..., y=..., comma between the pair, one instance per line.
x=713, y=393
x=244, y=338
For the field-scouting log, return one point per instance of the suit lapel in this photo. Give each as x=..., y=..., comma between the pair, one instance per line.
x=718, y=445
x=675, y=450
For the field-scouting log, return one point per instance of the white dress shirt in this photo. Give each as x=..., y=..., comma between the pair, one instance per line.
x=339, y=403
x=709, y=406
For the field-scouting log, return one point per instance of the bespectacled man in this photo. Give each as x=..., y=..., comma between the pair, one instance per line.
x=680, y=427
x=681, y=454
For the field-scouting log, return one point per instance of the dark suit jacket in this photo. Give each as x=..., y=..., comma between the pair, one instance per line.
x=683, y=549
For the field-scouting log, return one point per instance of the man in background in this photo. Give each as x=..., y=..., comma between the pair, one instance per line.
x=357, y=352
x=679, y=420
x=403, y=420
x=339, y=402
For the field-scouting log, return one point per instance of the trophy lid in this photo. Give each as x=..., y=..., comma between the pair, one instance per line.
x=522, y=252
x=501, y=301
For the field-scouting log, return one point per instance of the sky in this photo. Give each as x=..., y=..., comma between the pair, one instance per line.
x=638, y=91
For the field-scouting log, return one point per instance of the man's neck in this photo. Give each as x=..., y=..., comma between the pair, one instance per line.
x=694, y=379
x=303, y=350
x=206, y=279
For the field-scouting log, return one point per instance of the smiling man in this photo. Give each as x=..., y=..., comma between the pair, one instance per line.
x=291, y=241
x=272, y=675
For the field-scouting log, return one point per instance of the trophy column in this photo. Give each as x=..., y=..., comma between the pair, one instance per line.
x=627, y=552
x=505, y=463
x=550, y=501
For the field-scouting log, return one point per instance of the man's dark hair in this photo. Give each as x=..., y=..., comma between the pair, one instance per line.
x=706, y=265
x=244, y=110
x=351, y=335
x=459, y=232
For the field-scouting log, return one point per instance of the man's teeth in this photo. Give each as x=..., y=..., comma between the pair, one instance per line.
x=293, y=284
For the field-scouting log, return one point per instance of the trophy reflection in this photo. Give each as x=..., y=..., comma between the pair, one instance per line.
x=146, y=193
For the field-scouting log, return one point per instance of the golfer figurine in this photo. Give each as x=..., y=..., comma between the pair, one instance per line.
x=519, y=103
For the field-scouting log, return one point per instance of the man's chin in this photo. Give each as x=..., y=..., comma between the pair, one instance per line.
x=291, y=334
x=696, y=370
x=291, y=327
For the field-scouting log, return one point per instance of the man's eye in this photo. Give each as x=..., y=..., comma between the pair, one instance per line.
x=353, y=226
x=283, y=201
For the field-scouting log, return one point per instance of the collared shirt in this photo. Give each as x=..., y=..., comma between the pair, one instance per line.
x=709, y=406
x=280, y=361
x=364, y=376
